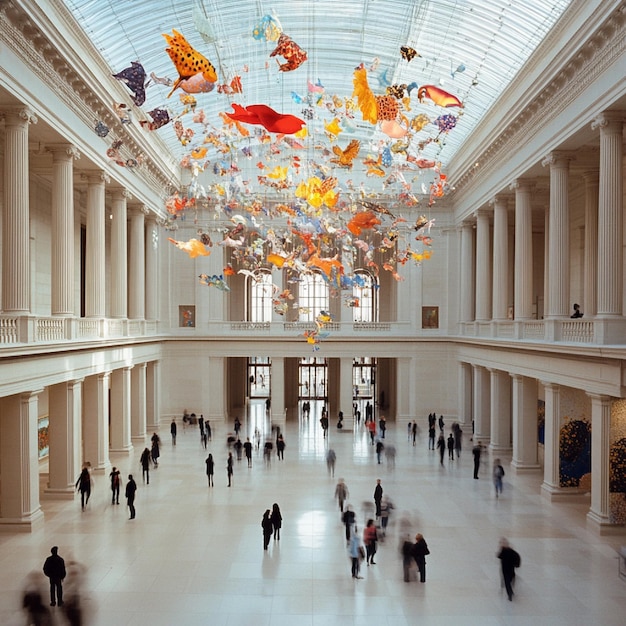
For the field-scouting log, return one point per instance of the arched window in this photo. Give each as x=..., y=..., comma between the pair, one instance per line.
x=259, y=296
x=313, y=297
x=365, y=294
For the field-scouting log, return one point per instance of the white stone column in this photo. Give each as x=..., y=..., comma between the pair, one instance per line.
x=500, y=407
x=346, y=390
x=95, y=251
x=137, y=265
x=551, y=474
x=120, y=410
x=19, y=462
x=465, y=395
x=64, y=410
x=138, y=402
x=119, y=255
x=523, y=285
x=95, y=449
x=277, y=391
x=152, y=268
x=590, y=301
x=62, y=231
x=610, y=215
x=482, y=405
x=217, y=388
x=600, y=460
x=483, y=267
x=153, y=395
x=500, y=288
x=525, y=435
x=468, y=288
x=558, y=249
x=15, y=212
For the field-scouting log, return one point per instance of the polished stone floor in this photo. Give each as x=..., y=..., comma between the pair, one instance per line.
x=194, y=556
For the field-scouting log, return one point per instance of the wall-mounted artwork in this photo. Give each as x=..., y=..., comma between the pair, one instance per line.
x=430, y=317
x=43, y=436
x=187, y=316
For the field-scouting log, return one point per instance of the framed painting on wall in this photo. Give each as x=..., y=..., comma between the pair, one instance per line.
x=430, y=317
x=43, y=436
x=187, y=316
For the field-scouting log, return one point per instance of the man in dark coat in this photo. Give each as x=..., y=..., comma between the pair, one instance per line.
x=509, y=560
x=378, y=496
x=476, y=450
x=54, y=569
x=420, y=550
x=131, y=489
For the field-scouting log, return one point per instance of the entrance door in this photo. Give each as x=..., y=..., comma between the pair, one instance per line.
x=313, y=379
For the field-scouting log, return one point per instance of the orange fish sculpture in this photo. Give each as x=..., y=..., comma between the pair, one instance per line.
x=362, y=221
x=193, y=247
x=188, y=61
x=438, y=96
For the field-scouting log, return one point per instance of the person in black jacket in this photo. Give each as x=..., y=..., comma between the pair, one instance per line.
x=420, y=550
x=54, y=569
x=509, y=560
x=268, y=528
x=83, y=484
x=277, y=520
x=131, y=489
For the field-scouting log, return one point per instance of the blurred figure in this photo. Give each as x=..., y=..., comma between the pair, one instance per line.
x=498, y=474
x=509, y=560
x=229, y=468
x=379, y=450
x=341, y=493
x=331, y=457
x=210, y=469
x=144, y=461
x=280, y=448
x=431, y=437
x=348, y=519
x=247, y=448
x=115, y=485
x=207, y=429
x=131, y=490
x=173, y=431
x=76, y=606
x=382, y=425
x=441, y=446
x=450, y=443
x=37, y=614
x=371, y=426
x=369, y=539
x=268, y=528
x=385, y=508
x=390, y=455
x=54, y=569
x=355, y=550
x=156, y=449
x=458, y=440
x=83, y=484
x=277, y=520
x=406, y=549
x=476, y=451
x=378, y=496
x=420, y=551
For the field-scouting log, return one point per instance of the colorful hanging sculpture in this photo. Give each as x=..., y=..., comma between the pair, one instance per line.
x=214, y=281
x=438, y=96
x=345, y=157
x=268, y=29
x=293, y=54
x=188, y=61
x=408, y=53
x=362, y=221
x=193, y=247
x=160, y=117
x=268, y=118
x=134, y=77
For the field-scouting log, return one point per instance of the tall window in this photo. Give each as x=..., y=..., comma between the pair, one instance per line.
x=365, y=294
x=313, y=296
x=259, y=296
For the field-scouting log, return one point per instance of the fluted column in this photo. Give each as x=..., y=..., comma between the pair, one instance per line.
x=120, y=410
x=277, y=391
x=138, y=402
x=95, y=251
x=96, y=422
x=62, y=235
x=465, y=394
x=119, y=260
x=153, y=397
x=137, y=265
x=152, y=268
x=15, y=217
x=483, y=267
x=592, y=185
x=600, y=459
x=482, y=405
x=610, y=215
x=500, y=289
x=468, y=292
x=551, y=476
x=524, y=424
x=523, y=286
x=558, y=249
x=217, y=388
x=500, y=408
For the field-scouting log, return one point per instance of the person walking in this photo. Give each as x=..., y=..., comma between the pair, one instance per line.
x=156, y=449
x=420, y=551
x=371, y=426
x=382, y=425
x=280, y=448
x=369, y=539
x=131, y=490
x=331, y=457
x=379, y=450
x=204, y=438
x=348, y=518
x=37, y=614
x=406, y=549
x=498, y=474
x=458, y=441
x=378, y=496
x=207, y=428
x=441, y=423
x=341, y=493
x=431, y=437
x=173, y=430
x=450, y=447
x=247, y=448
x=441, y=446
x=277, y=521
x=476, y=451
x=115, y=485
x=83, y=484
x=54, y=569
x=210, y=469
x=355, y=550
x=238, y=448
x=229, y=468
x=144, y=461
x=268, y=528
x=509, y=561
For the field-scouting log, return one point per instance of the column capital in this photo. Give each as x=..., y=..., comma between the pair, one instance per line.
x=121, y=194
x=558, y=158
x=96, y=177
x=499, y=199
x=609, y=120
x=522, y=184
x=599, y=397
x=20, y=114
x=550, y=385
x=482, y=212
x=63, y=151
x=138, y=210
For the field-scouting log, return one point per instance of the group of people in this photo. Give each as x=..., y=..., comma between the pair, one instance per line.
x=271, y=523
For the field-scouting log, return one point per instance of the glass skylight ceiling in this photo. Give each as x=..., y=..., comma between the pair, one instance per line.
x=471, y=49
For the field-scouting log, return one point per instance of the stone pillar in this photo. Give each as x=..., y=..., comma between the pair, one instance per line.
x=153, y=396
x=95, y=255
x=500, y=289
x=558, y=305
x=152, y=269
x=523, y=285
x=277, y=391
x=346, y=387
x=120, y=410
x=62, y=231
x=465, y=395
x=500, y=398
x=19, y=462
x=15, y=212
x=483, y=267
x=137, y=266
x=119, y=262
x=610, y=215
x=551, y=475
x=96, y=422
x=138, y=402
x=482, y=405
x=592, y=185
x=64, y=461
x=525, y=435
x=468, y=289
x=600, y=460
x=217, y=388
